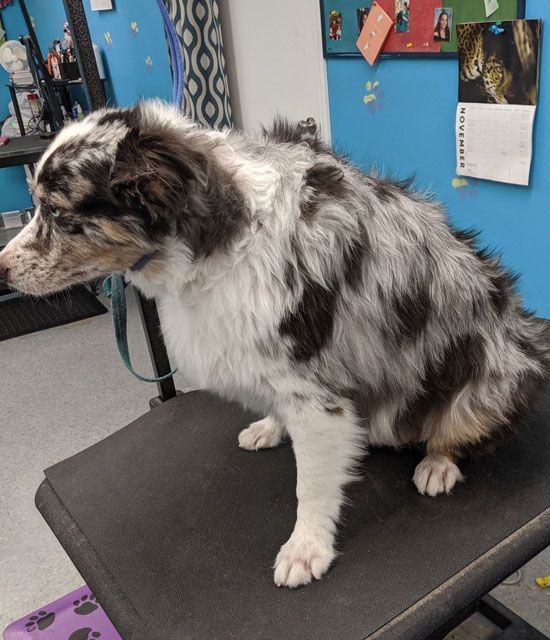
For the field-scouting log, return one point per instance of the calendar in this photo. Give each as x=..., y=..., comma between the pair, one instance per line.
x=494, y=142
x=498, y=89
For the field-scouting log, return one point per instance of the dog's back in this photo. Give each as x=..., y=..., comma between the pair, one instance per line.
x=411, y=316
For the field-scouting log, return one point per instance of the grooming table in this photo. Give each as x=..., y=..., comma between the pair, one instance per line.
x=176, y=529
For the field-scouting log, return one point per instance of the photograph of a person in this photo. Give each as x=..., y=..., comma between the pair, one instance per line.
x=499, y=62
x=335, y=25
x=402, y=16
x=443, y=24
x=362, y=15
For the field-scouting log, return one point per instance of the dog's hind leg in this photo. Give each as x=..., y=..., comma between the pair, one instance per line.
x=264, y=434
x=462, y=422
x=327, y=441
x=437, y=473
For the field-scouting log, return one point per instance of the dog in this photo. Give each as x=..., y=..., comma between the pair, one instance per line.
x=340, y=305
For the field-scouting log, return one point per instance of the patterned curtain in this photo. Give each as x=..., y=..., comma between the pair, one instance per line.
x=206, y=91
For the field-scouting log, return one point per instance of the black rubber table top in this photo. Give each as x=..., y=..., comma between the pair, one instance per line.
x=175, y=529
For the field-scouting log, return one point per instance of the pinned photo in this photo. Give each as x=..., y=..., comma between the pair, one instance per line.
x=443, y=24
x=335, y=25
x=499, y=62
x=402, y=15
x=362, y=15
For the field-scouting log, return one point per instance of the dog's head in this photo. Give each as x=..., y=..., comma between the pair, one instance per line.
x=113, y=188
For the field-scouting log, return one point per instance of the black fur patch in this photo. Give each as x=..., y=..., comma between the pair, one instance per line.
x=327, y=182
x=412, y=310
x=502, y=280
x=500, y=295
x=335, y=411
x=389, y=190
x=311, y=324
x=529, y=388
x=354, y=257
x=72, y=225
x=60, y=178
x=282, y=130
x=49, y=177
x=216, y=217
x=43, y=237
x=129, y=117
x=170, y=183
x=462, y=361
x=466, y=236
x=290, y=278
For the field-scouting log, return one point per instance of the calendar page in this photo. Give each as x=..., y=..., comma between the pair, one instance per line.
x=494, y=142
x=498, y=88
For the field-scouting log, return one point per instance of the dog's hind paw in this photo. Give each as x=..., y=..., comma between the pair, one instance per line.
x=436, y=474
x=264, y=434
x=301, y=559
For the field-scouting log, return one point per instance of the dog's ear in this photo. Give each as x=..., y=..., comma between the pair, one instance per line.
x=154, y=172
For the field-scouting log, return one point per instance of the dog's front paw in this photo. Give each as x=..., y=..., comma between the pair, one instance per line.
x=437, y=473
x=302, y=558
x=264, y=434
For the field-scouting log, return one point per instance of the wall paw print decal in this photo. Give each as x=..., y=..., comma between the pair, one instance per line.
x=134, y=27
x=149, y=63
x=108, y=39
x=465, y=188
x=374, y=98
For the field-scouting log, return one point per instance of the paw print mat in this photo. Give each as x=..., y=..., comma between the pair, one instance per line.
x=76, y=616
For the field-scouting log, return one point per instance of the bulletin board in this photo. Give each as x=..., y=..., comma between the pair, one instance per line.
x=413, y=32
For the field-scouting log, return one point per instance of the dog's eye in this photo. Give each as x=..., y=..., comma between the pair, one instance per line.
x=56, y=213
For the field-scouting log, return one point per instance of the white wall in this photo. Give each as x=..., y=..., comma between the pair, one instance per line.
x=275, y=61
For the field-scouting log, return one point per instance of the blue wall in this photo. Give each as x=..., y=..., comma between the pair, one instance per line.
x=134, y=53
x=14, y=193
x=409, y=128
x=136, y=59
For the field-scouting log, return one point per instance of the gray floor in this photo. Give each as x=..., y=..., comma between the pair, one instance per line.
x=64, y=389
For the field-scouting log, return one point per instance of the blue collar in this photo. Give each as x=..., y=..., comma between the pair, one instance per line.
x=137, y=266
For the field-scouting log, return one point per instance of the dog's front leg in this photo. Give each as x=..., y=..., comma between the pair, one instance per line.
x=327, y=441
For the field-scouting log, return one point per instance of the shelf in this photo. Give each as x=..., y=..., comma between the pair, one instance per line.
x=56, y=83
x=23, y=150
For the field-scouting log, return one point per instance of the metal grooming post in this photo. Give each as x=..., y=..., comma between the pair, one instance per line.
x=95, y=94
x=39, y=71
x=157, y=351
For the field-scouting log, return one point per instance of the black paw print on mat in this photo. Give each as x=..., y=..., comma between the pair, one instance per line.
x=84, y=634
x=85, y=605
x=41, y=620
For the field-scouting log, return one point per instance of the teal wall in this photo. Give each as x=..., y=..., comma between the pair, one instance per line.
x=134, y=52
x=409, y=129
x=14, y=193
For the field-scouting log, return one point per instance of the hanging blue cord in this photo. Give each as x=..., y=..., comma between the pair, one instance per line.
x=176, y=54
x=114, y=288
x=114, y=285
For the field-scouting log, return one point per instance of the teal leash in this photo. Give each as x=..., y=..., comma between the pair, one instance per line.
x=114, y=288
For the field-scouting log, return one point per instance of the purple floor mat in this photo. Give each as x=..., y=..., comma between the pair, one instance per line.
x=76, y=616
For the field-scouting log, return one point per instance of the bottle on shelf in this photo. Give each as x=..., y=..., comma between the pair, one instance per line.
x=77, y=112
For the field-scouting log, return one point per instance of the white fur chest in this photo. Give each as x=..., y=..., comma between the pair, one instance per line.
x=217, y=347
